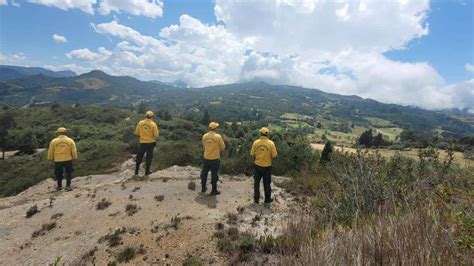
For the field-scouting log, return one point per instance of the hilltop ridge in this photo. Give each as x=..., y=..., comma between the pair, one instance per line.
x=169, y=222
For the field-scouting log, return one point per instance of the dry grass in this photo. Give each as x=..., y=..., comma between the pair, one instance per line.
x=44, y=229
x=131, y=209
x=32, y=211
x=103, y=204
x=417, y=238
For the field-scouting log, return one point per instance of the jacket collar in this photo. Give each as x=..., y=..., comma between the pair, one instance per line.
x=263, y=137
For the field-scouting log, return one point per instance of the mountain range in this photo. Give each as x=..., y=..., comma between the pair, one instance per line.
x=17, y=72
x=231, y=102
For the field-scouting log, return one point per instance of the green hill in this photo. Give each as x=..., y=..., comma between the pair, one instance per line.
x=252, y=101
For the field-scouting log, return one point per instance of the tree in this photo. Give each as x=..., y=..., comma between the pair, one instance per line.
x=319, y=125
x=365, y=138
x=26, y=142
x=326, y=153
x=7, y=121
x=141, y=108
x=206, y=119
x=378, y=140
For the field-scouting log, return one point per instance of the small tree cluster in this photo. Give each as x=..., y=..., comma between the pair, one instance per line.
x=367, y=139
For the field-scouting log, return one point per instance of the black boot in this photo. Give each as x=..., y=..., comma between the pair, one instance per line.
x=147, y=167
x=214, y=190
x=137, y=167
x=203, y=188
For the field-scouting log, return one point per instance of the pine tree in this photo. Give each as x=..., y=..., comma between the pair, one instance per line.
x=378, y=140
x=141, y=108
x=6, y=122
x=206, y=119
x=365, y=138
x=326, y=153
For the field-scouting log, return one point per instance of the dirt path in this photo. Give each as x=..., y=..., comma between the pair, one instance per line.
x=167, y=230
x=12, y=153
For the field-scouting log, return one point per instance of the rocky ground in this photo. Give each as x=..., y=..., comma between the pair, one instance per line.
x=161, y=217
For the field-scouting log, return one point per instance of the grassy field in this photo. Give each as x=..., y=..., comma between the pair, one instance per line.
x=293, y=116
x=412, y=153
x=390, y=132
x=378, y=122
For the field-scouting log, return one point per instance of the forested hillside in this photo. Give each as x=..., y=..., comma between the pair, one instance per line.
x=234, y=102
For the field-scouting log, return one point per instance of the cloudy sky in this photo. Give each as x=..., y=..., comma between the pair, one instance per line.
x=411, y=52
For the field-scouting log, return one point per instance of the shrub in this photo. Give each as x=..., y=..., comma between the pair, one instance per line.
x=192, y=261
x=44, y=228
x=192, y=186
x=126, y=255
x=26, y=142
x=131, y=209
x=224, y=245
x=159, y=197
x=103, y=204
x=114, y=239
x=32, y=211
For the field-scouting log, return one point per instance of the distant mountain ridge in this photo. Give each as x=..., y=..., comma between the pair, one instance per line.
x=251, y=101
x=17, y=72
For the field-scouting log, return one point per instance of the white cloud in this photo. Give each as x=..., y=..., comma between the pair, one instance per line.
x=84, y=5
x=188, y=51
x=319, y=27
x=59, y=38
x=148, y=8
x=12, y=58
x=469, y=68
x=85, y=54
x=3, y=2
x=72, y=67
x=329, y=45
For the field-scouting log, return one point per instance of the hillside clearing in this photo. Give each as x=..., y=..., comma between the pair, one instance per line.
x=182, y=223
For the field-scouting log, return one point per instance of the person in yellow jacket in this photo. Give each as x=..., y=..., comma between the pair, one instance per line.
x=213, y=146
x=62, y=150
x=264, y=151
x=147, y=131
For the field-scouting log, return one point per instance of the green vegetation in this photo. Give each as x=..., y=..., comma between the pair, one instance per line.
x=44, y=229
x=98, y=132
x=420, y=208
x=131, y=209
x=103, y=204
x=192, y=261
x=32, y=211
x=126, y=255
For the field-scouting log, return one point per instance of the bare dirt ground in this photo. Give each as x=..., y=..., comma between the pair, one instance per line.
x=12, y=153
x=171, y=221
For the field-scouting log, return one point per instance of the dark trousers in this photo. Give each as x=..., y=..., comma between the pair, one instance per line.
x=212, y=165
x=266, y=174
x=148, y=149
x=60, y=168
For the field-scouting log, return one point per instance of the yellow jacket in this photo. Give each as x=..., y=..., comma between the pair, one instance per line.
x=62, y=149
x=264, y=151
x=147, y=130
x=213, y=145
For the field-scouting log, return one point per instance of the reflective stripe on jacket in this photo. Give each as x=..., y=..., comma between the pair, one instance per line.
x=264, y=151
x=62, y=149
x=147, y=130
x=213, y=145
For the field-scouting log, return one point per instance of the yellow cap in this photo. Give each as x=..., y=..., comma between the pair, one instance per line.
x=149, y=114
x=213, y=125
x=264, y=131
x=61, y=130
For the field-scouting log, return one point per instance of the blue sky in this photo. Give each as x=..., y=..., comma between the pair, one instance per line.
x=427, y=43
